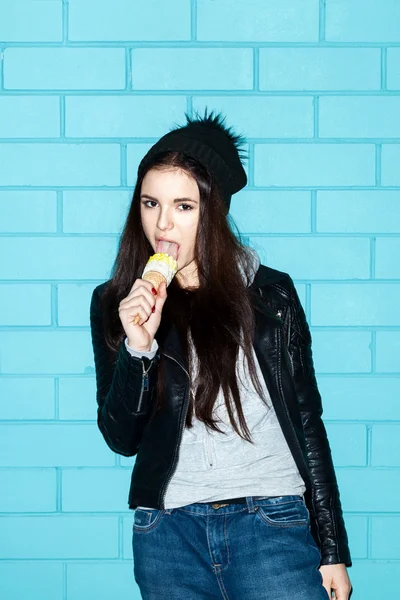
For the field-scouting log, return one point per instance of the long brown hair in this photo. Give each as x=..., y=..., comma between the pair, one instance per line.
x=218, y=314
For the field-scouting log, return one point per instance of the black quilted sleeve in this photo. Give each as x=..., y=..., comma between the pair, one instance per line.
x=125, y=387
x=325, y=493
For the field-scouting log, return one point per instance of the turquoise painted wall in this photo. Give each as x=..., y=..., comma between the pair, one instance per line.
x=86, y=87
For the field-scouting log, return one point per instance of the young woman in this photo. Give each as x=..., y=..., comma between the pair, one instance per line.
x=214, y=392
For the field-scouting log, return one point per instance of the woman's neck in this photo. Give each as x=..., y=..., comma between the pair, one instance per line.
x=188, y=277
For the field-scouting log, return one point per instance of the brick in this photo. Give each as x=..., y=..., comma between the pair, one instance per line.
x=74, y=304
x=216, y=68
x=77, y=398
x=70, y=537
x=348, y=444
x=390, y=161
x=64, y=68
x=362, y=21
x=29, y=116
x=53, y=445
x=46, y=352
x=86, y=211
x=25, y=579
x=122, y=116
x=271, y=212
x=147, y=20
x=314, y=164
x=100, y=490
x=57, y=258
x=16, y=311
x=387, y=262
x=357, y=485
x=375, y=579
x=341, y=351
x=101, y=581
x=357, y=531
x=385, y=537
x=17, y=394
x=60, y=164
x=359, y=116
x=319, y=69
x=385, y=446
x=393, y=68
x=257, y=20
x=28, y=212
x=28, y=21
x=387, y=351
x=360, y=398
x=292, y=255
x=355, y=304
x=32, y=490
x=263, y=116
x=354, y=211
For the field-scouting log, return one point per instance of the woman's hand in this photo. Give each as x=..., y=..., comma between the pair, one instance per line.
x=335, y=579
x=142, y=300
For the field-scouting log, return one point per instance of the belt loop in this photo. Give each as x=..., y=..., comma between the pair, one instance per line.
x=250, y=504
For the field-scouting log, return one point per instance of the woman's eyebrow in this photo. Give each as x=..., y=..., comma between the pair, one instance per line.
x=176, y=199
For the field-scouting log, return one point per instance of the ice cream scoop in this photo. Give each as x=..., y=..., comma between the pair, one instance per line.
x=161, y=266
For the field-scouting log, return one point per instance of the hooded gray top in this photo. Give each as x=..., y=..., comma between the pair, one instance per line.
x=213, y=466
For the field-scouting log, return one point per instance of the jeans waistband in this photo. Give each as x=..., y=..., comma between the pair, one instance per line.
x=228, y=505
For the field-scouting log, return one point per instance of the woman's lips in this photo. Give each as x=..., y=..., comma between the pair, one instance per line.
x=170, y=248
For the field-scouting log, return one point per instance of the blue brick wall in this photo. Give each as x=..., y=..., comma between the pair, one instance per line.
x=86, y=88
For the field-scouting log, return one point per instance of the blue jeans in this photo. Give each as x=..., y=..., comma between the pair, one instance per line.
x=261, y=550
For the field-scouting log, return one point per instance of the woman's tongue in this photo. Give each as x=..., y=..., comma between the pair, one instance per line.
x=168, y=248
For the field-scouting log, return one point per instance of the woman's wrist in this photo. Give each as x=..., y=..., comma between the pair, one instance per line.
x=131, y=345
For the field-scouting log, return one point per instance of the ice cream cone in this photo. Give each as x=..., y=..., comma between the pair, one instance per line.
x=160, y=267
x=156, y=279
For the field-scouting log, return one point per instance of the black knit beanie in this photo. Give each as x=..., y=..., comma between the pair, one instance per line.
x=214, y=145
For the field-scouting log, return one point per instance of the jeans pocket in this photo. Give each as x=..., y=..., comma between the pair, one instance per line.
x=286, y=513
x=147, y=519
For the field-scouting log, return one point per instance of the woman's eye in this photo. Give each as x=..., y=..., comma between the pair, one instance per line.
x=146, y=204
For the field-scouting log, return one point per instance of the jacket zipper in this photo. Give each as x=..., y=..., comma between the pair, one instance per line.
x=289, y=419
x=145, y=384
x=176, y=450
x=290, y=359
x=291, y=362
x=279, y=314
x=288, y=344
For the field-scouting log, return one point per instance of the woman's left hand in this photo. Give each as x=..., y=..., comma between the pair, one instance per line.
x=335, y=579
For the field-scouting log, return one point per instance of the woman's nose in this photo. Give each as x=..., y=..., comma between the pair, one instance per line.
x=165, y=220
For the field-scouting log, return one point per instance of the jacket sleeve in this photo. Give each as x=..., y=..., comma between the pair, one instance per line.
x=125, y=388
x=325, y=496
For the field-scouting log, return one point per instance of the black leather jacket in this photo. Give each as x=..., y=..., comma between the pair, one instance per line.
x=126, y=391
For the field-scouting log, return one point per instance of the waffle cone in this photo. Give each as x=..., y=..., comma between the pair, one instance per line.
x=155, y=278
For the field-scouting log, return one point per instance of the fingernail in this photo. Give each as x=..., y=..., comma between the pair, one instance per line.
x=154, y=291
x=153, y=309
